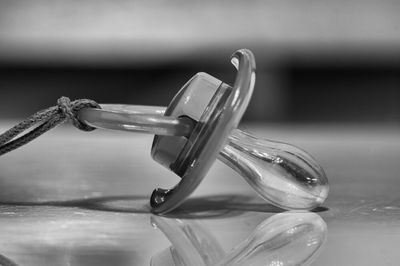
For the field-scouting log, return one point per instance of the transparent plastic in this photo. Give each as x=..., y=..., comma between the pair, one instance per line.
x=283, y=239
x=281, y=173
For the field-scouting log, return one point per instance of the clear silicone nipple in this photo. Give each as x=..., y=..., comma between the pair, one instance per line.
x=281, y=173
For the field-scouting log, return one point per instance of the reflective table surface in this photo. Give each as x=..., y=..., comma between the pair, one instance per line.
x=78, y=198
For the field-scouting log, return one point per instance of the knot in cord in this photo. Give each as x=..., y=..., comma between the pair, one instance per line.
x=47, y=119
x=71, y=109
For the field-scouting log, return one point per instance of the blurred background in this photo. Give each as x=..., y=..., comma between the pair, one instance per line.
x=317, y=61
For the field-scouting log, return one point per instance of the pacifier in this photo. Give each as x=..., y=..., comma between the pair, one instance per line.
x=200, y=125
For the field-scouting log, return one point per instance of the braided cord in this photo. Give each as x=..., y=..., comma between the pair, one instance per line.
x=47, y=119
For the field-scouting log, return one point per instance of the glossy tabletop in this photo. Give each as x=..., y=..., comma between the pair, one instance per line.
x=78, y=198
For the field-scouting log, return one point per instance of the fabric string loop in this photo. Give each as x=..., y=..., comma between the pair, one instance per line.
x=47, y=119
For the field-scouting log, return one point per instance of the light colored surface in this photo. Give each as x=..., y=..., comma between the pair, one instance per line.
x=76, y=198
x=127, y=30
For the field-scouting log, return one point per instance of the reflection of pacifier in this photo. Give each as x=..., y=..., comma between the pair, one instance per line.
x=199, y=125
x=284, y=239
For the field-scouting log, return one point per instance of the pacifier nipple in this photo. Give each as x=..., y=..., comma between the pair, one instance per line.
x=281, y=173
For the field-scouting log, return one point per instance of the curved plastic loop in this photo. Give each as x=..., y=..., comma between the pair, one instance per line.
x=243, y=88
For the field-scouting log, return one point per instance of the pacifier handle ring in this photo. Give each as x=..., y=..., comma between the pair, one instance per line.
x=136, y=118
